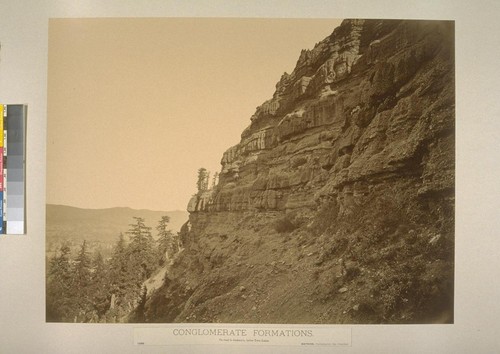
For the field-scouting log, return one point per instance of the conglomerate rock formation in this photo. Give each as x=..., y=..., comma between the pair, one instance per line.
x=337, y=205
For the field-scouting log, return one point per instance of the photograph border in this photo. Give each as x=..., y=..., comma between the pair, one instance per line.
x=23, y=60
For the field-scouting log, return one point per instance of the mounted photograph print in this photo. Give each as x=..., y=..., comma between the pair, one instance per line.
x=251, y=171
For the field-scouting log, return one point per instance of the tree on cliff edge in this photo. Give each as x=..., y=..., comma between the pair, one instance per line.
x=215, y=180
x=167, y=245
x=203, y=176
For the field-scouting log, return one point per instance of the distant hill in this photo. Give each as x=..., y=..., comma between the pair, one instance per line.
x=101, y=225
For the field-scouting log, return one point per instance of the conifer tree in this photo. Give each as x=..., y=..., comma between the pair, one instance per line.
x=202, y=183
x=167, y=246
x=215, y=180
x=177, y=242
x=58, y=286
x=121, y=284
x=82, y=271
x=100, y=287
x=118, y=271
x=82, y=275
x=141, y=251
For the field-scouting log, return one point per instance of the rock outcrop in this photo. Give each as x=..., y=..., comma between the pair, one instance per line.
x=341, y=181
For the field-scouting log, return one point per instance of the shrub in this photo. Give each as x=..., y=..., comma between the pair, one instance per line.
x=326, y=217
x=286, y=224
x=352, y=272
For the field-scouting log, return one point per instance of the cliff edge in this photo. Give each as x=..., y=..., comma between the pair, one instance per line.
x=337, y=205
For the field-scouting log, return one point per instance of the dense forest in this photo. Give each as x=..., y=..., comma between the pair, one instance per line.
x=87, y=287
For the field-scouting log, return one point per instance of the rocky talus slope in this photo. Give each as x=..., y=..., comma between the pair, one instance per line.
x=337, y=205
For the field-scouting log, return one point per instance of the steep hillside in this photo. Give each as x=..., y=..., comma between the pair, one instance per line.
x=337, y=205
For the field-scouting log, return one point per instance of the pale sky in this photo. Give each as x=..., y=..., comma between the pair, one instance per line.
x=136, y=106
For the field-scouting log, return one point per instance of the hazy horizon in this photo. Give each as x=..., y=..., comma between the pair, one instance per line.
x=136, y=106
x=115, y=207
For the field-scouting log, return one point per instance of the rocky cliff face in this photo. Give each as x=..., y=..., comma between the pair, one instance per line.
x=337, y=205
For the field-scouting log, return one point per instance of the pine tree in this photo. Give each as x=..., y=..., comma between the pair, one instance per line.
x=202, y=183
x=99, y=287
x=177, y=242
x=207, y=180
x=167, y=246
x=118, y=272
x=82, y=276
x=215, y=180
x=141, y=250
x=82, y=271
x=58, y=286
x=99, y=269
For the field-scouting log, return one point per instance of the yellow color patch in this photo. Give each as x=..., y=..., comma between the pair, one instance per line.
x=1, y=125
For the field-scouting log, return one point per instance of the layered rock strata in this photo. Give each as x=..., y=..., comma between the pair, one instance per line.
x=364, y=125
x=370, y=101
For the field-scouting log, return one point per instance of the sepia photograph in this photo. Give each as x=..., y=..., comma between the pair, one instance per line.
x=250, y=170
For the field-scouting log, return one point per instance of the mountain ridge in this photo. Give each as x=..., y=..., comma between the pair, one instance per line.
x=104, y=225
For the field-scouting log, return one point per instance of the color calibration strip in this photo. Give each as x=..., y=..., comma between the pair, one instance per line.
x=12, y=169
